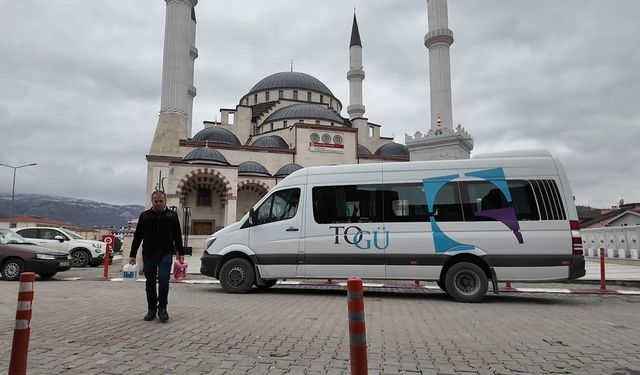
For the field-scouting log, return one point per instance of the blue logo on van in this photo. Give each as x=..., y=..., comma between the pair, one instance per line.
x=506, y=215
x=362, y=239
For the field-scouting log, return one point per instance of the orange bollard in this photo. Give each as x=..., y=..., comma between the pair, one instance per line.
x=357, y=334
x=22, y=330
x=603, y=282
x=108, y=244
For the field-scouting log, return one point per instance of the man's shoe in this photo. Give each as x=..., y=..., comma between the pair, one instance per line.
x=162, y=314
x=150, y=315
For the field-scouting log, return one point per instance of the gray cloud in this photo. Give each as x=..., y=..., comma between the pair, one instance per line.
x=81, y=81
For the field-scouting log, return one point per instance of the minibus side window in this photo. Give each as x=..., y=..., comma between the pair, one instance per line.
x=347, y=204
x=446, y=206
x=281, y=205
x=404, y=202
x=480, y=196
x=524, y=200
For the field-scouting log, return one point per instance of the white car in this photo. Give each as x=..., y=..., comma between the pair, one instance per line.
x=84, y=252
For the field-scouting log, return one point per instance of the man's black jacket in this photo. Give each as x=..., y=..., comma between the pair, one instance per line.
x=159, y=233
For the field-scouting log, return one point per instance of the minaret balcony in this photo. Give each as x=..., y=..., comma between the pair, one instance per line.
x=355, y=73
x=438, y=37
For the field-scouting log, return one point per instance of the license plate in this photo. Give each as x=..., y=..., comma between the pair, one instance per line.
x=65, y=263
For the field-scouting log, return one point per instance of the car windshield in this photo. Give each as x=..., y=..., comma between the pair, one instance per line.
x=72, y=234
x=9, y=237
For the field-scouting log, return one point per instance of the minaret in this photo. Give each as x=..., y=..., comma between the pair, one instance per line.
x=441, y=142
x=355, y=75
x=176, y=103
x=438, y=40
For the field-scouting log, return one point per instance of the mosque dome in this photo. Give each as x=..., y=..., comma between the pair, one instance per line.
x=363, y=150
x=271, y=141
x=205, y=154
x=216, y=134
x=305, y=111
x=392, y=149
x=252, y=167
x=286, y=170
x=290, y=80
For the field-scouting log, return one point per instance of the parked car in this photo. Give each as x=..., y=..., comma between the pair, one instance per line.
x=84, y=252
x=18, y=255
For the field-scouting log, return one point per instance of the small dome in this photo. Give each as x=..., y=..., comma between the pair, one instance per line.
x=205, y=154
x=290, y=80
x=363, y=150
x=216, y=134
x=252, y=167
x=392, y=149
x=271, y=141
x=305, y=111
x=286, y=170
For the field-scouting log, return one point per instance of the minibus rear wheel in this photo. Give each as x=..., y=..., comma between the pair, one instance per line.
x=466, y=282
x=237, y=276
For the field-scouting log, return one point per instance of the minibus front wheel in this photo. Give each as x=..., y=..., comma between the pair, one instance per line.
x=237, y=276
x=466, y=282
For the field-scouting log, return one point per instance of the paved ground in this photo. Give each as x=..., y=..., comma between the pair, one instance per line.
x=95, y=327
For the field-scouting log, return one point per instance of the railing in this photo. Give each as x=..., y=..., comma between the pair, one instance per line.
x=619, y=242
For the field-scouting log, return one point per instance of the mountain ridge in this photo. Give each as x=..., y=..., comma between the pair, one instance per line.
x=78, y=211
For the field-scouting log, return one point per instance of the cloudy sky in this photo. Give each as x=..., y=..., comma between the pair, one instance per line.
x=81, y=81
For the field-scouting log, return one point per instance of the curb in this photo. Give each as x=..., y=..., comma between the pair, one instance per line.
x=391, y=286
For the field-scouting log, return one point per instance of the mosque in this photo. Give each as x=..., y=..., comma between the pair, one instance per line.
x=286, y=121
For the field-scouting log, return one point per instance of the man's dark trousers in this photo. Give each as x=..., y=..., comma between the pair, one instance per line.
x=157, y=268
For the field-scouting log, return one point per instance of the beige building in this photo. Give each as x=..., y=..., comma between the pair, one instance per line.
x=286, y=121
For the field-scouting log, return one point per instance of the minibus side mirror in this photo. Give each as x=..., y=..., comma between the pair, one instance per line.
x=253, y=218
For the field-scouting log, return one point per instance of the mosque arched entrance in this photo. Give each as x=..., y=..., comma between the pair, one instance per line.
x=249, y=192
x=205, y=193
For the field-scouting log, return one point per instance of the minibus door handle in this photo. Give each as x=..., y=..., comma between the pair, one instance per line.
x=292, y=229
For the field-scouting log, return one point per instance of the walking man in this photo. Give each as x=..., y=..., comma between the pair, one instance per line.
x=158, y=229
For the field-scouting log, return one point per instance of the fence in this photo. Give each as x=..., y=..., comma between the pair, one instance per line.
x=619, y=242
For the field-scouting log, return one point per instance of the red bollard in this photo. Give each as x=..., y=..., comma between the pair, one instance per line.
x=20, y=347
x=603, y=282
x=416, y=283
x=108, y=244
x=357, y=334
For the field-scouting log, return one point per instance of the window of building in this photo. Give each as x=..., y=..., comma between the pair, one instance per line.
x=271, y=126
x=255, y=98
x=295, y=94
x=317, y=122
x=204, y=197
x=321, y=98
x=308, y=96
x=281, y=205
x=280, y=94
x=232, y=118
x=266, y=96
x=331, y=102
x=201, y=228
x=284, y=123
x=370, y=131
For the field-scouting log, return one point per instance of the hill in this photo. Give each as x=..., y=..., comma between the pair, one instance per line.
x=82, y=212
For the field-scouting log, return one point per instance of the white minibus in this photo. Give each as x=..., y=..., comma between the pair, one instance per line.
x=500, y=217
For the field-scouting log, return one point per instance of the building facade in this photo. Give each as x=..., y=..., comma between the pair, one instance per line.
x=286, y=121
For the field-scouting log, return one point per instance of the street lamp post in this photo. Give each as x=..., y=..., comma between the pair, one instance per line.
x=13, y=188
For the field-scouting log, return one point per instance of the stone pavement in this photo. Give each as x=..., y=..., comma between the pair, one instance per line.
x=94, y=327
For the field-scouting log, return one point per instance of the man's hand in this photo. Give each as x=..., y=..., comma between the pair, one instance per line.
x=132, y=261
